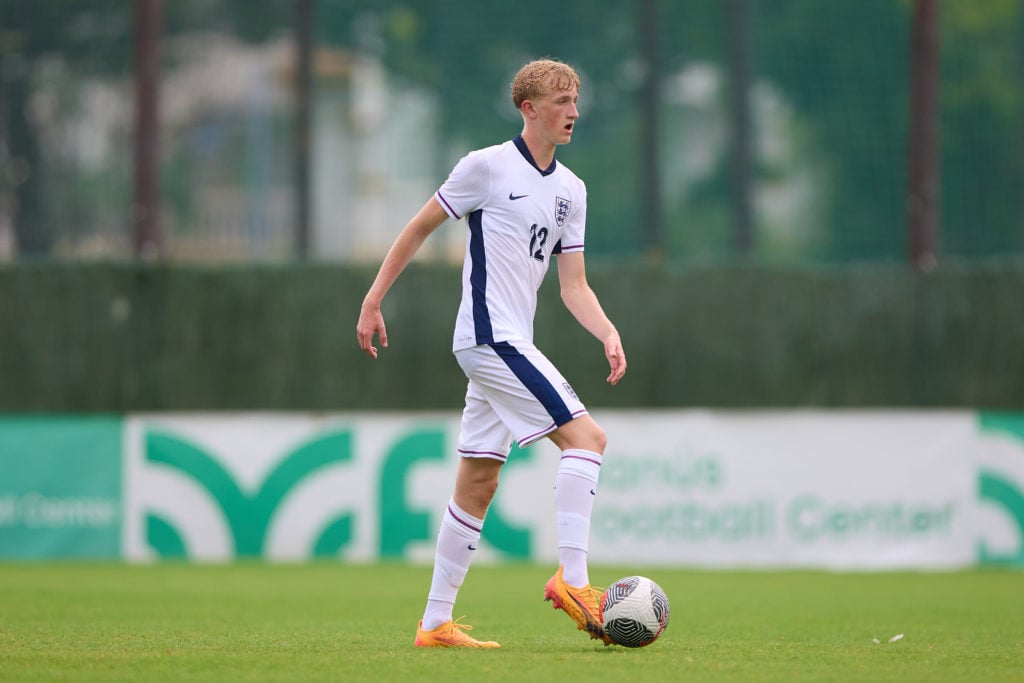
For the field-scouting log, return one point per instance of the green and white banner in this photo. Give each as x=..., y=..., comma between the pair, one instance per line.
x=816, y=489
x=60, y=487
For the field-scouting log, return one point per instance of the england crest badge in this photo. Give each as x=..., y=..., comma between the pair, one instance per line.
x=562, y=207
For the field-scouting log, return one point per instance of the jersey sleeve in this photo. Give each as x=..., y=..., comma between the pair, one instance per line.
x=467, y=186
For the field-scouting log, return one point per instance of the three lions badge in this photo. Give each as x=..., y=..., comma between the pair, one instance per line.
x=562, y=207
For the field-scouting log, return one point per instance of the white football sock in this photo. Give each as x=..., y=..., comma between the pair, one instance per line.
x=457, y=540
x=575, y=488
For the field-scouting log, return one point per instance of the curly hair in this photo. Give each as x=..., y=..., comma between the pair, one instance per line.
x=532, y=80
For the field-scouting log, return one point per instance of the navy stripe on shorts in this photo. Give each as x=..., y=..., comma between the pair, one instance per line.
x=534, y=381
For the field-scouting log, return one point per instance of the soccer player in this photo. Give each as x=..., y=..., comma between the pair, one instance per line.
x=522, y=208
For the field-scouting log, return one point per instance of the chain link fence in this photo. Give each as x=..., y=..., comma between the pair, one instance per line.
x=401, y=90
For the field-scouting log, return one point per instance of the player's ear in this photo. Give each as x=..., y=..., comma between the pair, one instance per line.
x=528, y=109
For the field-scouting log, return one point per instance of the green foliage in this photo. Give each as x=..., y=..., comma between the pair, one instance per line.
x=94, y=35
x=838, y=72
x=981, y=126
x=842, y=67
x=126, y=338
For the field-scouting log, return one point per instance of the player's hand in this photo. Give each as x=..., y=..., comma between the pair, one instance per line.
x=371, y=323
x=616, y=358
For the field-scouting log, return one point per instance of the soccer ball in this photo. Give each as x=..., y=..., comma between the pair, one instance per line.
x=634, y=610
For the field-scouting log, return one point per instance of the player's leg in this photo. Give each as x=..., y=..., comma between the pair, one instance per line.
x=459, y=536
x=484, y=444
x=457, y=542
x=581, y=442
x=534, y=400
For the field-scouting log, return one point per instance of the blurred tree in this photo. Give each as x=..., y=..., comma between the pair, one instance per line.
x=844, y=67
x=94, y=38
x=982, y=127
x=468, y=52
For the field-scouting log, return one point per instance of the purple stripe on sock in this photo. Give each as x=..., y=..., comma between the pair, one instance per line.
x=580, y=457
x=462, y=521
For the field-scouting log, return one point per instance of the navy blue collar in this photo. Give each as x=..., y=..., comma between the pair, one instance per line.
x=525, y=151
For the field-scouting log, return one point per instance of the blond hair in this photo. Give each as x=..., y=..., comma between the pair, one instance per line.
x=533, y=79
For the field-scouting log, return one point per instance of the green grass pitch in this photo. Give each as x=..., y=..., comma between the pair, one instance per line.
x=337, y=622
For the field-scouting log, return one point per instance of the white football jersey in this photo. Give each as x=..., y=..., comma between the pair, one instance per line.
x=518, y=216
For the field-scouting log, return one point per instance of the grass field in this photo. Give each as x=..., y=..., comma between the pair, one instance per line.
x=333, y=622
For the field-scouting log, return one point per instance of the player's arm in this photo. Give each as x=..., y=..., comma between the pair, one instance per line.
x=581, y=301
x=416, y=231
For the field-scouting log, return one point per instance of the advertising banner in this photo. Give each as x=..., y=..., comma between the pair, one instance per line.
x=60, y=487
x=845, y=490
x=839, y=490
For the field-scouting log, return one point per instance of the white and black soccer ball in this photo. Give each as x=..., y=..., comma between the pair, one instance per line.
x=634, y=610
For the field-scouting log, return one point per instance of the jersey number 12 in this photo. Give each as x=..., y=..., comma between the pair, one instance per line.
x=538, y=236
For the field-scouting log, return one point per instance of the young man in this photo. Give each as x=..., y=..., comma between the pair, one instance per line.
x=522, y=207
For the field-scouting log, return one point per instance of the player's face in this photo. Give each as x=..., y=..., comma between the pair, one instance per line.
x=557, y=114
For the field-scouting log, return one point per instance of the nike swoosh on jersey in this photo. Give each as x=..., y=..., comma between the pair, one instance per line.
x=514, y=197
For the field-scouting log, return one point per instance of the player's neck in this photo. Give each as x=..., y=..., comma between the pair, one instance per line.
x=542, y=151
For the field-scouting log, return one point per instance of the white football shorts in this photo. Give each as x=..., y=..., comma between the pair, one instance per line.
x=514, y=392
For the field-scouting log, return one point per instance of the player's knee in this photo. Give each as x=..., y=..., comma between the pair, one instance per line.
x=582, y=433
x=593, y=438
